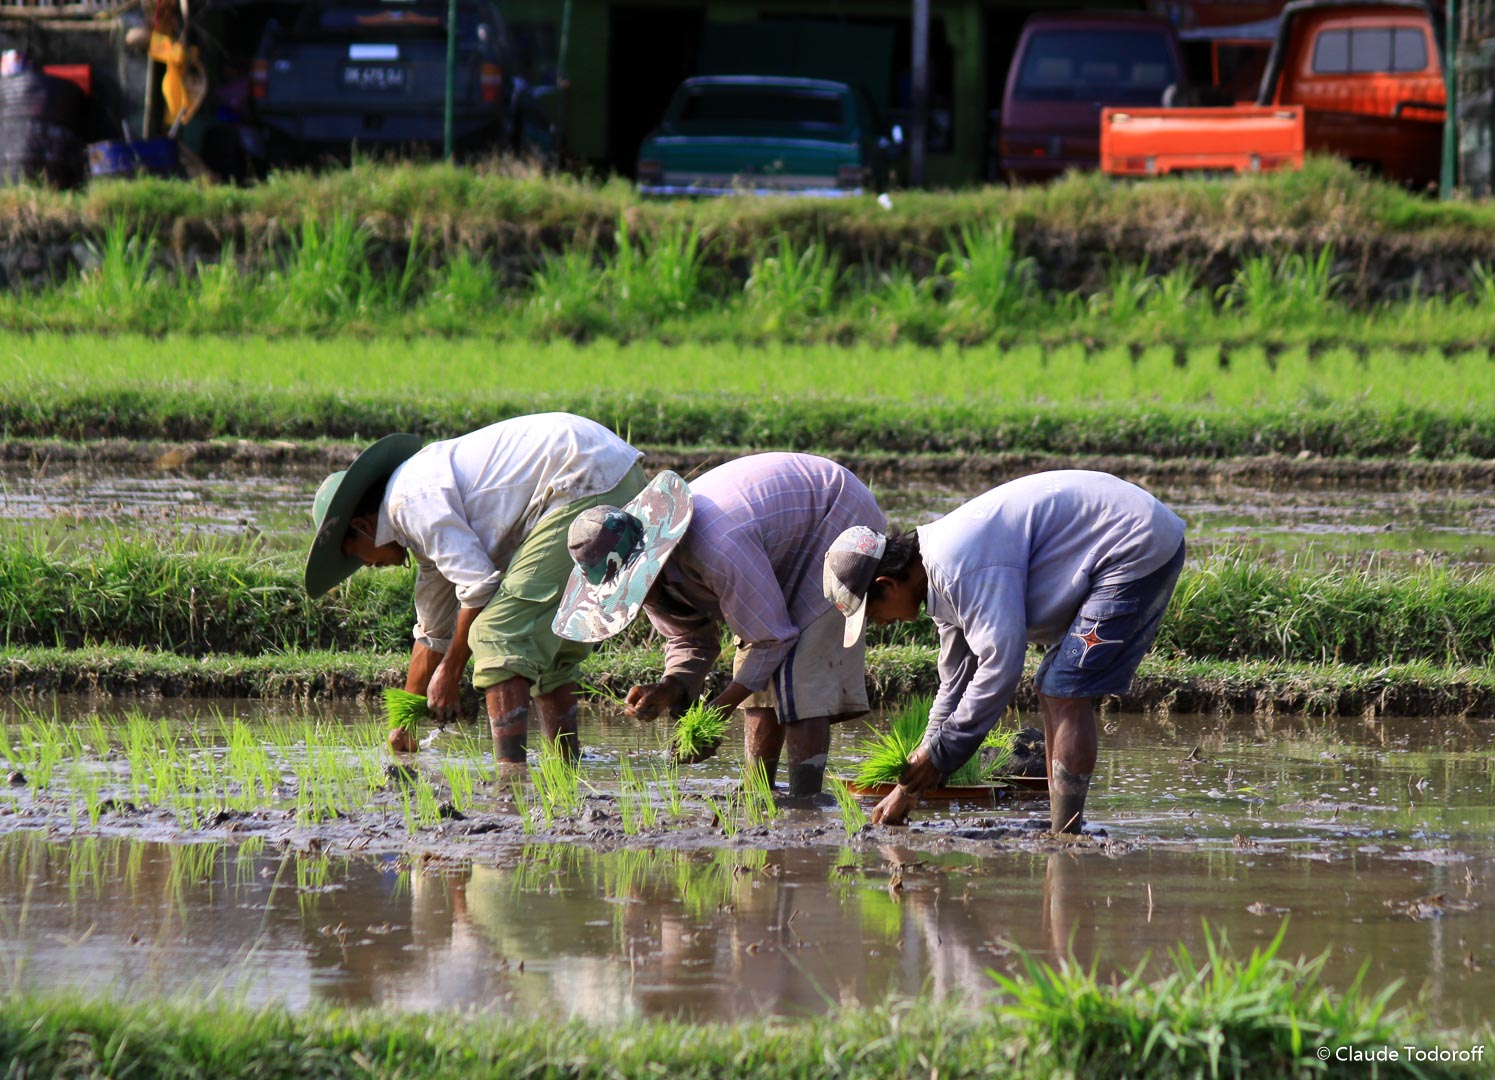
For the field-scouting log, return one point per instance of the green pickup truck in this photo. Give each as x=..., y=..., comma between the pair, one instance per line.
x=759, y=134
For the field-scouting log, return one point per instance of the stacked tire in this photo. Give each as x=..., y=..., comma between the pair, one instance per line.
x=41, y=120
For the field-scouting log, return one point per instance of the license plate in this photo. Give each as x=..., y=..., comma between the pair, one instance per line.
x=376, y=77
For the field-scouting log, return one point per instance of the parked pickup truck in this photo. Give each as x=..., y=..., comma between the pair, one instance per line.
x=1360, y=79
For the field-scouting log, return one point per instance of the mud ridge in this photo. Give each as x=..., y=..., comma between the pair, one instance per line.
x=1262, y=470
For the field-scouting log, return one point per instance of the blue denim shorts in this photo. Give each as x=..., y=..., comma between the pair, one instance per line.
x=1114, y=628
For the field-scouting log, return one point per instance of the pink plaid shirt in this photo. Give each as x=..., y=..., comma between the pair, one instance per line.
x=752, y=559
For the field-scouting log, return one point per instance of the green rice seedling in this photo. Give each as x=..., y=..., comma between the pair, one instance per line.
x=697, y=733
x=566, y=294
x=726, y=811
x=667, y=781
x=1128, y=290
x=403, y=709
x=1002, y=739
x=853, y=817
x=789, y=286
x=887, y=753
x=989, y=281
x=327, y=274
x=122, y=284
x=460, y=782
x=757, y=796
x=522, y=808
x=557, y=783
x=648, y=280
x=466, y=284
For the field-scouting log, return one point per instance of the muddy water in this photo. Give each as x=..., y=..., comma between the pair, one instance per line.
x=1376, y=842
x=81, y=499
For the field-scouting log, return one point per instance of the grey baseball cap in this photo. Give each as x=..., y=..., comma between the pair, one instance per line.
x=850, y=569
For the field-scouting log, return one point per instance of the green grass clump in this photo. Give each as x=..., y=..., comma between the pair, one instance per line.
x=697, y=733
x=403, y=709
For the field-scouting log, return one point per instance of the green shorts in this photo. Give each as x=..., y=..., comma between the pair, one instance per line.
x=512, y=637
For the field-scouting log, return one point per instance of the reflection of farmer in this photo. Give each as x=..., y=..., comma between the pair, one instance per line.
x=485, y=516
x=751, y=559
x=1081, y=562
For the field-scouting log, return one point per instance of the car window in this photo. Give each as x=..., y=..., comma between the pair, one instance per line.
x=762, y=106
x=1369, y=50
x=1128, y=67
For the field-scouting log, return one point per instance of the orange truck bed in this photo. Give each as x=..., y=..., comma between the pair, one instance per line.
x=1241, y=139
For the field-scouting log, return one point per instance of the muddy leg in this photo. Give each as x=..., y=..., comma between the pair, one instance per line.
x=1070, y=746
x=557, y=711
x=762, y=741
x=508, y=718
x=809, y=742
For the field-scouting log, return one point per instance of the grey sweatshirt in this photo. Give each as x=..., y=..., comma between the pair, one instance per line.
x=1014, y=566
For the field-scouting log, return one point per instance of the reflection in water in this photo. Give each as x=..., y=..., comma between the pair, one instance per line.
x=564, y=931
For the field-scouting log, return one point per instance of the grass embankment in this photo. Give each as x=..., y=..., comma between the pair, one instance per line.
x=1218, y=1015
x=1071, y=400
x=681, y=282
x=132, y=618
x=894, y=673
x=235, y=600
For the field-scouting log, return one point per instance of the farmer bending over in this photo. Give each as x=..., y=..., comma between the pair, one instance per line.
x=485, y=516
x=751, y=559
x=1081, y=562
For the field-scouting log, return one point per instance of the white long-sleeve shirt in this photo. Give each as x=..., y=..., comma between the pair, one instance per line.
x=1014, y=566
x=463, y=506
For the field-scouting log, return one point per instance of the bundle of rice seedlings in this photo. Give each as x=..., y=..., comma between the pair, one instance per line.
x=886, y=754
x=403, y=709
x=698, y=733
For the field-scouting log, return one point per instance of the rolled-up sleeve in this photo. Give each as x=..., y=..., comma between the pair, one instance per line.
x=981, y=661
x=435, y=608
x=691, y=645
x=451, y=546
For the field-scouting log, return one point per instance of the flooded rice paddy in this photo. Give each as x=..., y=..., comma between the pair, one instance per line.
x=1374, y=840
x=70, y=500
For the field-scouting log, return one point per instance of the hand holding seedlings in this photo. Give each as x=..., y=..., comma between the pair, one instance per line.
x=920, y=774
x=404, y=711
x=648, y=701
x=698, y=734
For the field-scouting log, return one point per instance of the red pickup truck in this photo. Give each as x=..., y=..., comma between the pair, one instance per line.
x=1360, y=79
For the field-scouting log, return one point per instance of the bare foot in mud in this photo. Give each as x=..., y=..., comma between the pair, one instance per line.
x=402, y=741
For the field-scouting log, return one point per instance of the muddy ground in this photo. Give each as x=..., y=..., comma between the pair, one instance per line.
x=1302, y=469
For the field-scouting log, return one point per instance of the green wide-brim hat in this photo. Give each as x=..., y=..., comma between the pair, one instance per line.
x=333, y=505
x=596, y=612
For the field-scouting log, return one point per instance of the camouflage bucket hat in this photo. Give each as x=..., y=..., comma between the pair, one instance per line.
x=335, y=501
x=619, y=553
x=850, y=568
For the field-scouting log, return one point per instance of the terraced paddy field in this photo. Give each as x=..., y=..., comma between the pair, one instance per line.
x=200, y=806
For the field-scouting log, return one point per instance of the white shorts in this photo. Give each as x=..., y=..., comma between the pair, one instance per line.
x=820, y=678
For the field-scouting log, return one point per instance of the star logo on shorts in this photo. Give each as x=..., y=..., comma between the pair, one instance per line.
x=1090, y=639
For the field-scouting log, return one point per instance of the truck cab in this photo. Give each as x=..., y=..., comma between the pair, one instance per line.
x=1360, y=79
x=1370, y=82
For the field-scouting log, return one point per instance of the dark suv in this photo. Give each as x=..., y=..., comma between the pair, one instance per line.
x=1066, y=68
x=373, y=73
